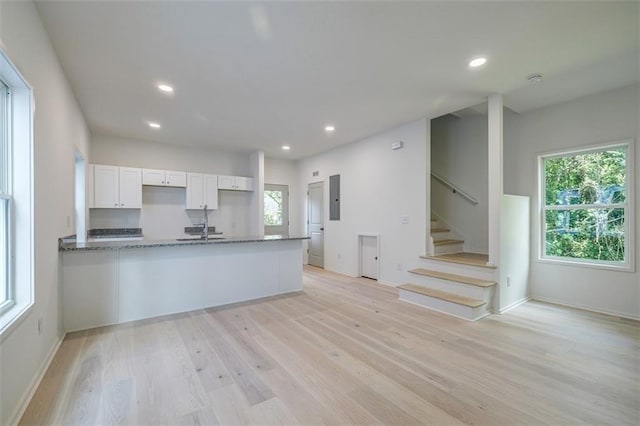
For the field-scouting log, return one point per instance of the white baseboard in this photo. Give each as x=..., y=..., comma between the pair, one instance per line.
x=587, y=308
x=514, y=305
x=35, y=382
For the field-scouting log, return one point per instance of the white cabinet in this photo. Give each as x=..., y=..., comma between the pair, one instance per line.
x=235, y=183
x=202, y=190
x=116, y=187
x=89, y=289
x=164, y=178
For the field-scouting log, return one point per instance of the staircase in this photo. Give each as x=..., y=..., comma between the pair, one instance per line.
x=451, y=281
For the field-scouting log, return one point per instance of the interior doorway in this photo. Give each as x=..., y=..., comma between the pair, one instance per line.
x=276, y=209
x=315, y=221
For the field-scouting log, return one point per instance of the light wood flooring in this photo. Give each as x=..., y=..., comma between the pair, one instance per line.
x=346, y=351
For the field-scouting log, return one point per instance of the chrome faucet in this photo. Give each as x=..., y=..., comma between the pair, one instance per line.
x=205, y=224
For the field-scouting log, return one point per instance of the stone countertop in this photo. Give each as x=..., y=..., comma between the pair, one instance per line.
x=116, y=245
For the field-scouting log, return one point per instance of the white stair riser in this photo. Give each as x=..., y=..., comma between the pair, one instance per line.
x=457, y=268
x=439, y=236
x=448, y=248
x=449, y=308
x=462, y=289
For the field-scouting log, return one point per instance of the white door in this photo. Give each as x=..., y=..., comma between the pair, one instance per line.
x=106, y=187
x=130, y=188
x=276, y=209
x=369, y=257
x=316, y=224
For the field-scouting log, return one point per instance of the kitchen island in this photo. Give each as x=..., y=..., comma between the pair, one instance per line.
x=114, y=282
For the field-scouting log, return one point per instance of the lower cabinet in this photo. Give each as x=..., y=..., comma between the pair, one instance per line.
x=202, y=190
x=90, y=290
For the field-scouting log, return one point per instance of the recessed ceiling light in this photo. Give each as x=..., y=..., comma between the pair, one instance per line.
x=286, y=147
x=165, y=88
x=329, y=128
x=477, y=62
x=154, y=125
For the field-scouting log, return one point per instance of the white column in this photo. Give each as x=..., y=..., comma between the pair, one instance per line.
x=256, y=227
x=429, y=241
x=495, y=176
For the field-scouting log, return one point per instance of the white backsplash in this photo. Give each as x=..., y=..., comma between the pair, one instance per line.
x=163, y=215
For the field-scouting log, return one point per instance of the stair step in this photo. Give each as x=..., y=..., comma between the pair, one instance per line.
x=443, y=295
x=437, y=230
x=453, y=277
x=447, y=242
x=463, y=258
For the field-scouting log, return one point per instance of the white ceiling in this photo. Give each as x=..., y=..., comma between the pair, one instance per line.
x=253, y=76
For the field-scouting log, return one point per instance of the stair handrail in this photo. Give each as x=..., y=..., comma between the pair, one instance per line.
x=455, y=189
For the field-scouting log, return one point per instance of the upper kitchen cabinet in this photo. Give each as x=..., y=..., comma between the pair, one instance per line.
x=202, y=190
x=164, y=178
x=116, y=187
x=235, y=183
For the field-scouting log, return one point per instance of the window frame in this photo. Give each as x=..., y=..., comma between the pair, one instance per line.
x=629, y=214
x=5, y=195
x=20, y=192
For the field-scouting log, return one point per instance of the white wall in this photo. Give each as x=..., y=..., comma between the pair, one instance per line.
x=163, y=214
x=59, y=127
x=459, y=155
x=593, y=119
x=378, y=187
x=515, y=242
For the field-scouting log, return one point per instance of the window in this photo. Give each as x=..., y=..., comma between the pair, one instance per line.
x=16, y=196
x=5, y=198
x=276, y=209
x=272, y=208
x=586, y=202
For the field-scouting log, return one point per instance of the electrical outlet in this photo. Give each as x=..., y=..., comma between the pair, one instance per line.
x=40, y=326
x=339, y=256
x=404, y=219
x=399, y=266
x=508, y=281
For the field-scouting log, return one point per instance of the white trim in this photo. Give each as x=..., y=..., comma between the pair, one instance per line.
x=514, y=305
x=586, y=308
x=35, y=383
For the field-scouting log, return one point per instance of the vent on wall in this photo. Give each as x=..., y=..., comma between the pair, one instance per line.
x=316, y=173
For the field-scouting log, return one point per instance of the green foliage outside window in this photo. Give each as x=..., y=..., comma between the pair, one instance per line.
x=273, y=208
x=585, y=205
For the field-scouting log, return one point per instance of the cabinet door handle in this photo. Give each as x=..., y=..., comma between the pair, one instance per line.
x=168, y=182
x=163, y=182
x=122, y=205
x=116, y=204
